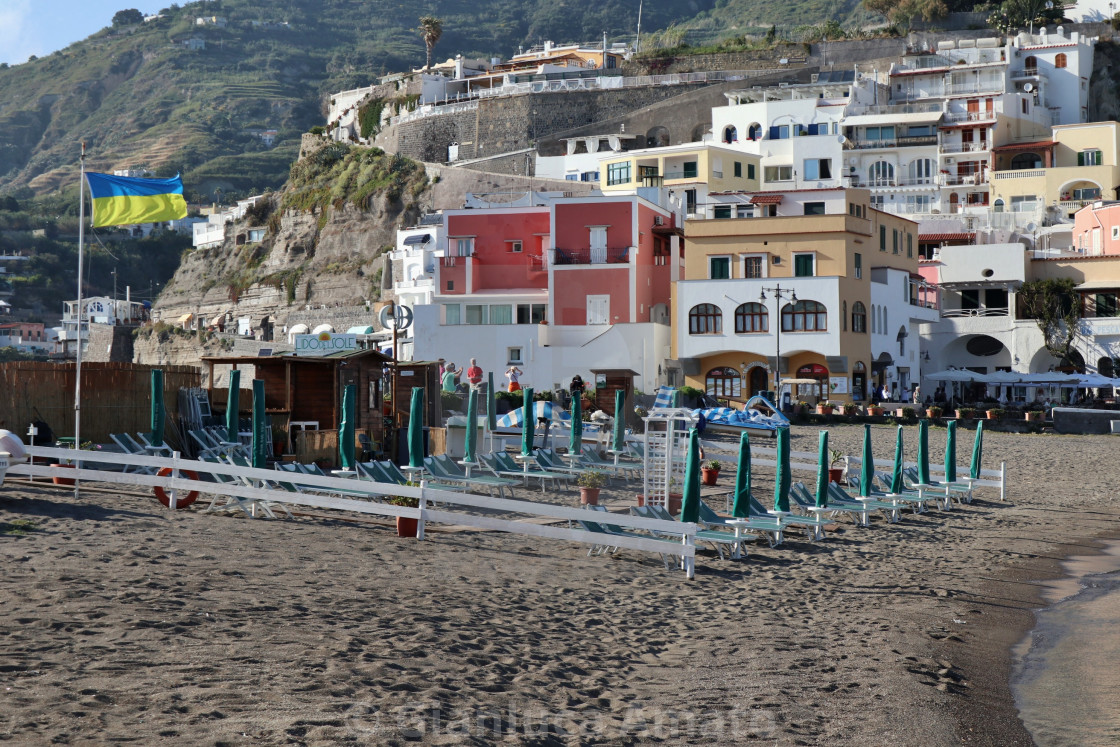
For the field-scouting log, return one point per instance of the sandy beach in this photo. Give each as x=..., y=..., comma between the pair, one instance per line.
x=123, y=622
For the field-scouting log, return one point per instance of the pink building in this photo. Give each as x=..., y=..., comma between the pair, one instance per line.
x=1096, y=228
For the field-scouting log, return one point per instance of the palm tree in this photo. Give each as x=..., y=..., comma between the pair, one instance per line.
x=431, y=29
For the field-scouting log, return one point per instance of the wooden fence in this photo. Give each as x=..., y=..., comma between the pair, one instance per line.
x=116, y=397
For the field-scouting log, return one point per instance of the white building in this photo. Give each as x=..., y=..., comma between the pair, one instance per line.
x=418, y=250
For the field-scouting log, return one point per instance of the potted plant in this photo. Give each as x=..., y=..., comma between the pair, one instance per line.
x=874, y=411
x=590, y=483
x=934, y=412
x=406, y=525
x=964, y=413
x=710, y=472
x=909, y=413
x=995, y=413
x=824, y=407
x=1035, y=416
x=835, y=474
x=69, y=464
x=849, y=409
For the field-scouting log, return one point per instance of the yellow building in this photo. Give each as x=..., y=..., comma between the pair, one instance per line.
x=824, y=283
x=1078, y=165
x=691, y=170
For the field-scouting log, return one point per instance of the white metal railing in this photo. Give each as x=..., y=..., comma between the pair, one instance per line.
x=977, y=116
x=978, y=147
x=968, y=313
x=856, y=110
x=1024, y=174
x=257, y=486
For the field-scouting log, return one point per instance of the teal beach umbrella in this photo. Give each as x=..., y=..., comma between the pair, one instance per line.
x=159, y=414
x=575, y=438
x=469, y=446
x=618, y=435
x=675, y=400
x=923, y=452
x=741, y=507
x=951, y=452
x=346, y=427
x=822, y=470
x=867, y=464
x=491, y=405
x=416, y=428
x=233, y=405
x=690, y=500
x=528, y=422
x=783, y=474
x=896, y=478
x=977, y=450
x=260, y=452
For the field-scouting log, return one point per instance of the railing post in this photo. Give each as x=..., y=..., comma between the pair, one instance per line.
x=690, y=560
x=423, y=504
x=174, y=497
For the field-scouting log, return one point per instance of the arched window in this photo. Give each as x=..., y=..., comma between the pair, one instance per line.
x=859, y=317
x=874, y=319
x=1031, y=65
x=921, y=171
x=881, y=174
x=883, y=319
x=724, y=382
x=804, y=316
x=1060, y=60
x=1026, y=161
x=751, y=317
x=730, y=134
x=844, y=317
x=820, y=374
x=859, y=381
x=997, y=206
x=1105, y=367
x=705, y=319
x=754, y=132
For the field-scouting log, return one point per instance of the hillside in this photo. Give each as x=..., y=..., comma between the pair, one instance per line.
x=138, y=96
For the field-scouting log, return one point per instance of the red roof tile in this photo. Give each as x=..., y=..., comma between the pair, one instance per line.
x=766, y=199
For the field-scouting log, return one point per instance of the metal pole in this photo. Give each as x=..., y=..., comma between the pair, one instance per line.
x=78, y=359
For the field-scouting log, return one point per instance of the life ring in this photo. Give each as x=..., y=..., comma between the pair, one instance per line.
x=182, y=501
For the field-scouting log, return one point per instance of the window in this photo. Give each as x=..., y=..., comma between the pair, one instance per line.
x=779, y=132
x=1115, y=232
x=705, y=319
x=514, y=246
x=894, y=240
x=689, y=170
x=1089, y=158
x=530, y=313
x=754, y=132
x=882, y=238
x=513, y=356
x=738, y=169
x=778, y=173
x=751, y=318
x=464, y=247
x=723, y=382
x=818, y=168
x=501, y=314
x=618, y=173
x=753, y=267
x=1060, y=60
x=598, y=237
x=814, y=208
x=1024, y=106
x=451, y=313
x=859, y=266
x=1107, y=305
x=750, y=171
x=744, y=211
x=921, y=170
x=721, y=211
x=859, y=317
x=881, y=174
x=730, y=134
x=919, y=203
x=804, y=316
x=920, y=131
x=880, y=133
x=1023, y=203
x=803, y=265
x=1087, y=193
x=450, y=285
x=1031, y=65
x=477, y=314
x=1026, y=161
x=910, y=245
x=719, y=268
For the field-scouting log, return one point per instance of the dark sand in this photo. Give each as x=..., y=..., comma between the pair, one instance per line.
x=122, y=622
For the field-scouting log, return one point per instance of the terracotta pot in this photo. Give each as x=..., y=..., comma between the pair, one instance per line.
x=589, y=496
x=835, y=475
x=63, y=480
x=1034, y=416
x=824, y=409
x=406, y=527
x=708, y=476
x=675, y=503
x=992, y=415
x=874, y=411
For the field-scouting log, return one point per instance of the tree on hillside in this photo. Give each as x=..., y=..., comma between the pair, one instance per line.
x=1055, y=307
x=128, y=17
x=1025, y=14
x=902, y=13
x=431, y=29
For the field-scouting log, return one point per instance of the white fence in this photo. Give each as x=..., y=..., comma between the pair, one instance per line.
x=256, y=487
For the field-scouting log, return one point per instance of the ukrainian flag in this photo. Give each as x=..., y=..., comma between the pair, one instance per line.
x=121, y=200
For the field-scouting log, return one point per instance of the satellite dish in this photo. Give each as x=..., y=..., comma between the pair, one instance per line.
x=1028, y=87
x=1031, y=227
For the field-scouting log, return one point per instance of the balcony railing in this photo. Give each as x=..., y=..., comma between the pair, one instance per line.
x=894, y=142
x=971, y=313
x=970, y=116
x=896, y=109
x=1023, y=174
x=978, y=147
x=680, y=174
x=596, y=256
x=955, y=180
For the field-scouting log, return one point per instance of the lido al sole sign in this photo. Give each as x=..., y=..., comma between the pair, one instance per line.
x=325, y=343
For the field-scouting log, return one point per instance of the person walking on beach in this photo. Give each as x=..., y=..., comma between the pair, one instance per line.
x=512, y=373
x=474, y=374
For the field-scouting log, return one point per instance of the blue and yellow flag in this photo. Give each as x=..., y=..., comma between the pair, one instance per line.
x=122, y=200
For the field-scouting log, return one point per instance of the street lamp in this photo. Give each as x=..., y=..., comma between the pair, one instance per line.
x=779, y=293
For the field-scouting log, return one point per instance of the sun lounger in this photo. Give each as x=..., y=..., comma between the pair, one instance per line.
x=804, y=500
x=444, y=470
x=128, y=446
x=295, y=486
x=611, y=530
x=224, y=502
x=772, y=528
x=498, y=468
x=592, y=458
x=962, y=491
x=716, y=539
x=890, y=508
x=814, y=525
x=374, y=471
x=912, y=498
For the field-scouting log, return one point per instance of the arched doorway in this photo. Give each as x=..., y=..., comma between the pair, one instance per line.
x=859, y=381
x=759, y=379
x=817, y=372
x=724, y=382
x=657, y=137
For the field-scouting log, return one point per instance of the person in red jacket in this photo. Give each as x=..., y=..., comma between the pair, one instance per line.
x=474, y=374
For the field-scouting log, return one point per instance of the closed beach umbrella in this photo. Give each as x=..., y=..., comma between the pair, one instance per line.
x=469, y=447
x=977, y=449
x=618, y=436
x=233, y=405
x=158, y=412
x=676, y=399
x=951, y=452
x=741, y=508
x=822, y=470
x=260, y=452
x=528, y=425
x=416, y=428
x=867, y=464
x=491, y=405
x=690, y=500
x=346, y=427
x=575, y=438
x=782, y=476
x=896, y=478
x=923, y=452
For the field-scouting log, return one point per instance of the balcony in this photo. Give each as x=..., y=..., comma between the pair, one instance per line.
x=898, y=142
x=978, y=147
x=1021, y=174
x=974, y=313
x=594, y=256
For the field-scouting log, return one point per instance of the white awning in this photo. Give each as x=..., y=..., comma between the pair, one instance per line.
x=323, y=328
x=299, y=329
x=889, y=119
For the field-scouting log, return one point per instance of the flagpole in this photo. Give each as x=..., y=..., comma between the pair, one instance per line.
x=78, y=367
